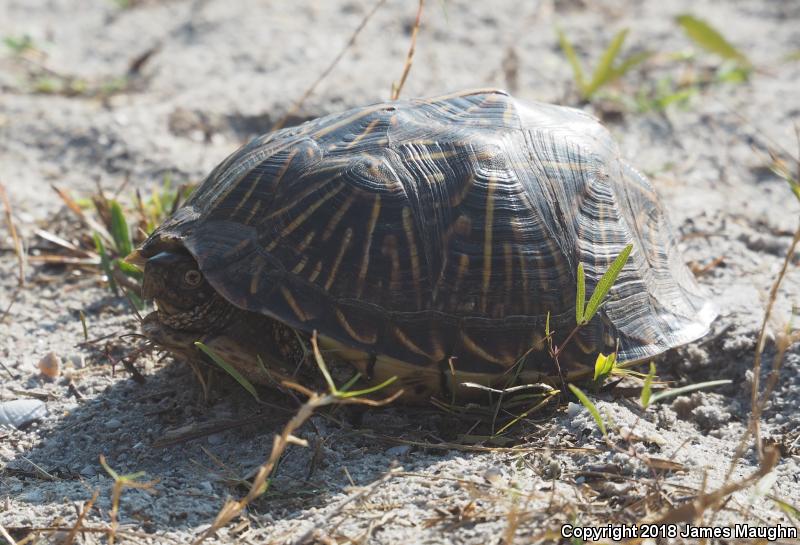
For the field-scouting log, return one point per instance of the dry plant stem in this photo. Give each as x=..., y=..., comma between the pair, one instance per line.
x=73, y=533
x=691, y=511
x=76, y=209
x=7, y=311
x=135, y=537
x=13, y=230
x=297, y=105
x=396, y=88
x=5, y=535
x=233, y=508
x=755, y=422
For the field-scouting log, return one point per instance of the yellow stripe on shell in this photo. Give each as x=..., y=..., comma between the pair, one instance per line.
x=411, y=345
x=413, y=252
x=487, y=243
x=337, y=217
x=348, y=235
x=290, y=300
x=298, y=221
x=363, y=339
x=373, y=220
x=473, y=347
x=258, y=179
x=315, y=273
x=366, y=132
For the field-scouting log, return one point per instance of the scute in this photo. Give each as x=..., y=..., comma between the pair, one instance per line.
x=426, y=230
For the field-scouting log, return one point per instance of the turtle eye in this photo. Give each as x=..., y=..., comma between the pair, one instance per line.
x=192, y=278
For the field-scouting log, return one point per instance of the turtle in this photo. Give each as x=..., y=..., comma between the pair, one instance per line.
x=431, y=240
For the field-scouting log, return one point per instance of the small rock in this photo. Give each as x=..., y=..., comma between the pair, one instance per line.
x=112, y=424
x=19, y=413
x=400, y=450
x=50, y=366
x=78, y=361
x=88, y=471
x=551, y=470
x=493, y=475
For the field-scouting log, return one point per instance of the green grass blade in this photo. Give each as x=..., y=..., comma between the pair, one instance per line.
x=786, y=507
x=605, y=283
x=547, y=325
x=580, y=296
x=658, y=396
x=605, y=68
x=349, y=384
x=603, y=365
x=228, y=368
x=586, y=402
x=573, y=60
x=707, y=37
x=629, y=63
x=648, y=385
x=324, y=369
x=365, y=391
x=105, y=263
x=83, y=324
x=129, y=269
x=120, y=230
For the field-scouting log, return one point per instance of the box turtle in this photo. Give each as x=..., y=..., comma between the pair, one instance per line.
x=424, y=239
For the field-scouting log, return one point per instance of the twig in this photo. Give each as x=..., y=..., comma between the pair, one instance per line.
x=141, y=536
x=127, y=362
x=7, y=536
x=10, y=304
x=13, y=230
x=396, y=88
x=76, y=209
x=78, y=523
x=297, y=105
x=756, y=404
x=234, y=508
x=692, y=510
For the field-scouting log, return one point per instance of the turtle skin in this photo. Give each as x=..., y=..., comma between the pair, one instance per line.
x=429, y=236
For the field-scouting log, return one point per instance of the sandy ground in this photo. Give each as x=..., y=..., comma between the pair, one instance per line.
x=226, y=70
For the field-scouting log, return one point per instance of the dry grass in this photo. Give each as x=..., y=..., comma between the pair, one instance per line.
x=398, y=87
x=234, y=508
x=325, y=73
x=12, y=229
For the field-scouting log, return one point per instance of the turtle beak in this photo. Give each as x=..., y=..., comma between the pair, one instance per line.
x=136, y=259
x=155, y=271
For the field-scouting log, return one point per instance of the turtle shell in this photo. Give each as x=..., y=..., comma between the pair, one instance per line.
x=426, y=230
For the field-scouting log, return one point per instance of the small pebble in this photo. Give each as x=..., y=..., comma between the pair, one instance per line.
x=400, y=450
x=50, y=366
x=112, y=424
x=78, y=361
x=493, y=475
x=18, y=413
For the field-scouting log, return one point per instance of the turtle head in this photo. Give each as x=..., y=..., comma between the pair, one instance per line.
x=174, y=280
x=184, y=298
